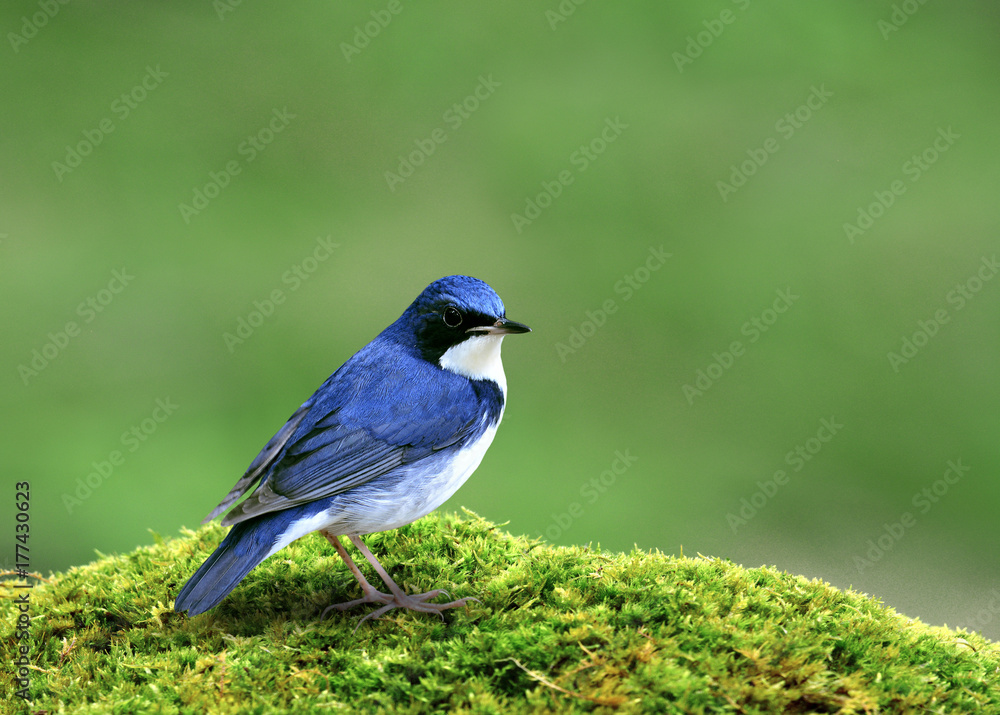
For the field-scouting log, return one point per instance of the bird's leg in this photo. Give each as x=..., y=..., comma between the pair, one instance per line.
x=372, y=594
x=397, y=598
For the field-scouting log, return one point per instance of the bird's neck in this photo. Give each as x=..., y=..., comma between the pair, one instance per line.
x=477, y=358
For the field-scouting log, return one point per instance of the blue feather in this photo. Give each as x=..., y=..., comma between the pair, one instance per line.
x=245, y=546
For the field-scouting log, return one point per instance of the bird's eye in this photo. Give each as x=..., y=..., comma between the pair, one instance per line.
x=452, y=317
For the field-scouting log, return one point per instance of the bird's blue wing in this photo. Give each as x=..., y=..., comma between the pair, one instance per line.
x=370, y=417
x=261, y=462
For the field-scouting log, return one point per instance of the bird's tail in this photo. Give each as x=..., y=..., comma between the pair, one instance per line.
x=246, y=545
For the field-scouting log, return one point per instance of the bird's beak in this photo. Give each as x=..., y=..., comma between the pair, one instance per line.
x=501, y=327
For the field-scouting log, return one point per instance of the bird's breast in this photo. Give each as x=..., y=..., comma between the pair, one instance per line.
x=416, y=489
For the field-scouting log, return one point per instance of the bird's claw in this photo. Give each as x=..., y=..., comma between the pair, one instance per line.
x=389, y=601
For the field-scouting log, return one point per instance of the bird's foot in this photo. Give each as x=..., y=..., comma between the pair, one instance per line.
x=397, y=598
x=389, y=601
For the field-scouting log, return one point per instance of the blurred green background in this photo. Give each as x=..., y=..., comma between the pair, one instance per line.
x=608, y=129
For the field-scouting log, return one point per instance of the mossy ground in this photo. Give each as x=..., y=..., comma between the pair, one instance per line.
x=566, y=629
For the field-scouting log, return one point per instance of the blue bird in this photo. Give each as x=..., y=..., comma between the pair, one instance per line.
x=390, y=436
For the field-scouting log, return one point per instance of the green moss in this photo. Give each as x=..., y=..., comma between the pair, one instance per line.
x=573, y=629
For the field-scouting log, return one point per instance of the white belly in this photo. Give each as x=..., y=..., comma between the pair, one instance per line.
x=423, y=489
x=420, y=489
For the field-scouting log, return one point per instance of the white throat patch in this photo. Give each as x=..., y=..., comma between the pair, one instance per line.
x=477, y=358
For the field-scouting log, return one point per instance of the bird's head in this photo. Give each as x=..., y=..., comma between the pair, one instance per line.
x=458, y=323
